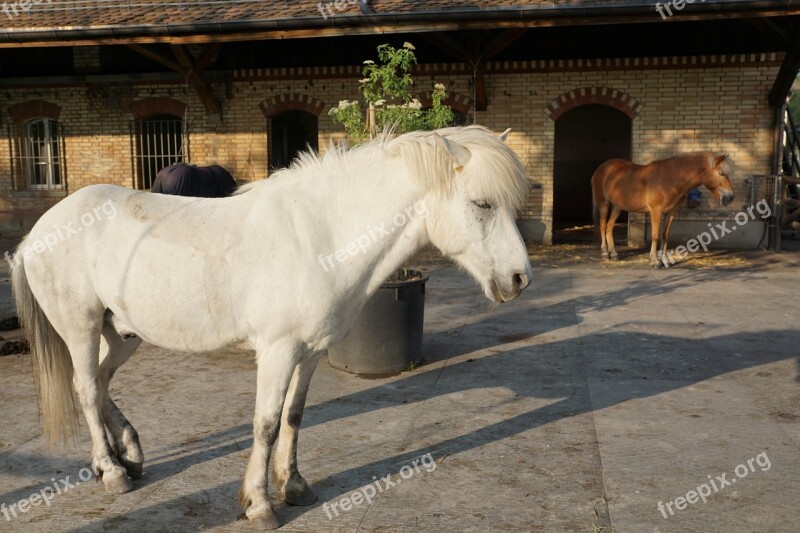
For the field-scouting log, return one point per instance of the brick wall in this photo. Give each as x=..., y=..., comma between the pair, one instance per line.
x=679, y=106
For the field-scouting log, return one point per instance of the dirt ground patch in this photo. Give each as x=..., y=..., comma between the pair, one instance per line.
x=585, y=254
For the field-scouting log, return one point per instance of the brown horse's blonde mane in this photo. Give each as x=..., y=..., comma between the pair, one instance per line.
x=727, y=166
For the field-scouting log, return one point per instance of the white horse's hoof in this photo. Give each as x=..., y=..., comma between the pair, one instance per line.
x=614, y=257
x=266, y=521
x=604, y=255
x=118, y=484
x=134, y=469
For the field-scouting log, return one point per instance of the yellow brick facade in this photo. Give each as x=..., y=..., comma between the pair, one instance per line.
x=720, y=106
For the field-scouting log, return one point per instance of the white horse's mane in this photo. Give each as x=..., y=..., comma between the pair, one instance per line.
x=494, y=170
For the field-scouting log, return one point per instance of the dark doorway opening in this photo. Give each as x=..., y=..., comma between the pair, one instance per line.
x=585, y=137
x=291, y=132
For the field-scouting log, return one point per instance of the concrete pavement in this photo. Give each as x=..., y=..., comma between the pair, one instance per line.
x=579, y=407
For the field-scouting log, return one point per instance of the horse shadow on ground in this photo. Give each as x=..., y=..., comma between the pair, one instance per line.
x=557, y=370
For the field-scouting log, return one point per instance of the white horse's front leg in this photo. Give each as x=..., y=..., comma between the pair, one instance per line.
x=275, y=371
x=284, y=465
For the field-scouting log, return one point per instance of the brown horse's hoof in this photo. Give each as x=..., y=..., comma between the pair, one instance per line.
x=655, y=266
x=614, y=257
x=604, y=255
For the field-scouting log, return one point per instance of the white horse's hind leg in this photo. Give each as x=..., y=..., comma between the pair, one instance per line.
x=275, y=370
x=114, y=352
x=85, y=350
x=284, y=463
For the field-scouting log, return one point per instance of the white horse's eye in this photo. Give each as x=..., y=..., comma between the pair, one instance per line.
x=483, y=204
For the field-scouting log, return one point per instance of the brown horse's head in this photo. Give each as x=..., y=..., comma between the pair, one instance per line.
x=717, y=178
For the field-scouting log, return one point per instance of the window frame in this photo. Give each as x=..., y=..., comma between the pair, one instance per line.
x=29, y=152
x=142, y=161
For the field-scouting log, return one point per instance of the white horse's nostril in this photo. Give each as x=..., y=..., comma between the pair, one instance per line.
x=521, y=281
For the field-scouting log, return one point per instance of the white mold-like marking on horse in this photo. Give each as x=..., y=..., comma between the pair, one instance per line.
x=135, y=206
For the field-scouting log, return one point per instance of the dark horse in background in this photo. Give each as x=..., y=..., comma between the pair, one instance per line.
x=656, y=188
x=187, y=180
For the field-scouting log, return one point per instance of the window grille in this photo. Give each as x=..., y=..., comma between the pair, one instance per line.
x=37, y=154
x=157, y=143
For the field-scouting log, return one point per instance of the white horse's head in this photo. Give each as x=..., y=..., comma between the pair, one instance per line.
x=472, y=205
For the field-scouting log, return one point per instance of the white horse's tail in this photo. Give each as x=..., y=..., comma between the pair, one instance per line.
x=52, y=365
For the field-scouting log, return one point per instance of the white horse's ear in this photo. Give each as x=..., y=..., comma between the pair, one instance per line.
x=460, y=155
x=504, y=135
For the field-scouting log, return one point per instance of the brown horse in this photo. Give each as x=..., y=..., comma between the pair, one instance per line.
x=656, y=188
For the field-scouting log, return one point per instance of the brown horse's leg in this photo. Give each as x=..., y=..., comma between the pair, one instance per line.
x=612, y=219
x=655, y=233
x=603, y=209
x=667, y=226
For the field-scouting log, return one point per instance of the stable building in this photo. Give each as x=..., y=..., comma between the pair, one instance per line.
x=105, y=91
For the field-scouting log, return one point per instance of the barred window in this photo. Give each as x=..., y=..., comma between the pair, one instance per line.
x=157, y=142
x=37, y=154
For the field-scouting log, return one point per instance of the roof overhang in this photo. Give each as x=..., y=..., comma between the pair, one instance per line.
x=372, y=23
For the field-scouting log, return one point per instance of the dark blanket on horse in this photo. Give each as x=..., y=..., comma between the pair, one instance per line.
x=188, y=180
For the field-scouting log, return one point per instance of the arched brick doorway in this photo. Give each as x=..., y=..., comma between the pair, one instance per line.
x=292, y=126
x=585, y=137
x=290, y=133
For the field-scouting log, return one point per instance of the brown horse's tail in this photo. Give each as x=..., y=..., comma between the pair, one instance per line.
x=52, y=365
x=598, y=196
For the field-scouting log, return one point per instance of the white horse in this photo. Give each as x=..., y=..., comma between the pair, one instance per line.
x=195, y=275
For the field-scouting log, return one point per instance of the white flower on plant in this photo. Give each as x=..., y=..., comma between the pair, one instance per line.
x=364, y=80
x=415, y=104
x=369, y=62
x=408, y=46
x=344, y=104
x=379, y=102
x=439, y=86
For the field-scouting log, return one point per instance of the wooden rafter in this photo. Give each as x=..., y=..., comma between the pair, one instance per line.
x=153, y=54
x=195, y=77
x=208, y=55
x=476, y=55
x=787, y=73
x=191, y=69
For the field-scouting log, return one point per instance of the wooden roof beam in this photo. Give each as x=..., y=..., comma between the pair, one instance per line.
x=477, y=56
x=155, y=56
x=194, y=75
x=787, y=73
x=190, y=69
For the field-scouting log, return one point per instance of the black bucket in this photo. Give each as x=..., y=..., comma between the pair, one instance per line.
x=386, y=337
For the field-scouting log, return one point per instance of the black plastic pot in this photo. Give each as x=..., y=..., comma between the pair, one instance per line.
x=386, y=336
